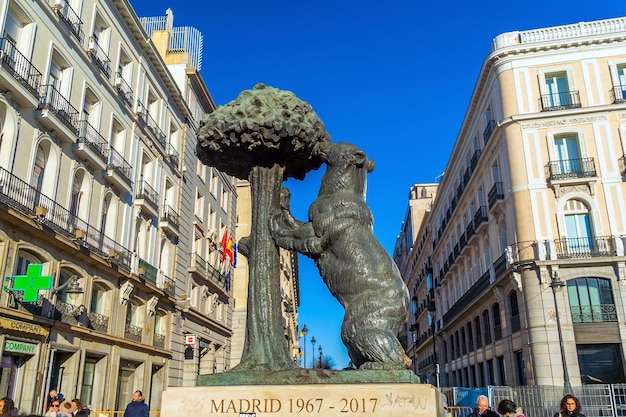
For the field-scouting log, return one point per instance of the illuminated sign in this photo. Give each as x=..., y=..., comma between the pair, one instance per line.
x=31, y=283
x=190, y=339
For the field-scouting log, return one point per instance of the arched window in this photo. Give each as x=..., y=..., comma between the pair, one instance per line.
x=470, y=337
x=479, y=342
x=497, y=322
x=514, y=312
x=591, y=300
x=577, y=229
x=487, y=327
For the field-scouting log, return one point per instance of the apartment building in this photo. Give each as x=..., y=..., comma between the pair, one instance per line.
x=102, y=215
x=210, y=199
x=517, y=272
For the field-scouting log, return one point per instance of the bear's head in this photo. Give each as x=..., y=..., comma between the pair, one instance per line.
x=346, y=168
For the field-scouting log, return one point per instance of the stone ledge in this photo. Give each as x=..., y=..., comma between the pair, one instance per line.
x=307, y=376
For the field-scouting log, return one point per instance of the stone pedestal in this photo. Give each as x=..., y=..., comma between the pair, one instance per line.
x=337, y=397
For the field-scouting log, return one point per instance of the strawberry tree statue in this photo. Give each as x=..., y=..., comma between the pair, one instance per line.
x=265, y=136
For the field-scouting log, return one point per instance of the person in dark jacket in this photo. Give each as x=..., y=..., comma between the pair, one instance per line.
x=137, y=407
x=482, y=408
x=79, y=409
x=7, y=407
x=570, y=407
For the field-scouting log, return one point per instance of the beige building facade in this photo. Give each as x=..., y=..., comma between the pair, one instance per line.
x=100, y=186
x=523, y=247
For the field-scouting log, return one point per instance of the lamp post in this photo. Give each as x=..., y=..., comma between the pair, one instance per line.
x=313, y=350
x=557, y=285
x=304, y=332
x=320, y=364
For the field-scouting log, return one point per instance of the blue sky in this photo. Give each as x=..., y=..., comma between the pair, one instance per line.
x=392, y=77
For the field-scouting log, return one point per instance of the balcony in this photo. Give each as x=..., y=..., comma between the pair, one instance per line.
x=560, y=101
x=172, y=156
x=98, y=322
x=585, y=247
x=622, y=165
x=202, y=269
x=475, y=158
x=491, y=125
x=480, y=218
x=599, y=313
x=618, y=94
x=132, y=332
x=151, y=125
x=158, y=340
x=147, y=270
x=168, y=285
x=118, y=171
x=496, y=195
x=26, y=91
x=20, y=196
x=571, y=170
x=169, y=221
x=58, y=114
x=147, y=198
x=70, y=18
x=91, y=146
x=123, y=89
x=99, y=57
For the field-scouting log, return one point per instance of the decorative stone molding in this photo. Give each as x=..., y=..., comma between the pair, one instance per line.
x=516, y=279
x=567, y=121
x=151, y=305
x=125, y=290
x=561, y=190
x=497, y=291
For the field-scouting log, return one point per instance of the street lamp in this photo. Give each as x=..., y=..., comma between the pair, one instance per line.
x=320, y=364
x=71, y=287
x=557, y=285
x=304, y=331
x=313, y=359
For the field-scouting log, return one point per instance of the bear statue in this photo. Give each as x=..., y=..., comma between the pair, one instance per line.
x=354, y=265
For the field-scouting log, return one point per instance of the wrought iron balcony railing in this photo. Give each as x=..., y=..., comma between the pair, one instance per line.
x=90, y=136
x=19, y=66
x=132, y=332
x=158, y=340
x=145, y=191
x=54, y=101
x=21, y=196
x=170, y=215
x=99, y=56
x=123, y=88
x=70, y=18
x=491, y=125
x=560, y=101
x=565, y=169
x=119, y=164
x=495, y=194
x=597, y=313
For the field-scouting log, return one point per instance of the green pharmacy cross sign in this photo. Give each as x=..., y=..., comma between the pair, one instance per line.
x=31, y=283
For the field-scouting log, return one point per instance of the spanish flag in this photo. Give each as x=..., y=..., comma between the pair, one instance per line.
x=229, y=248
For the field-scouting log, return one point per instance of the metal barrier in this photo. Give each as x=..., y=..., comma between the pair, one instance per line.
x=117, y=413
x=598, y=400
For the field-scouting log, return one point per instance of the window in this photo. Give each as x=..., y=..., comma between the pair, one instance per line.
x=601, y=362
x=620, y=90
x=568, y=156
x=490, y=373
x=577, y=228
x=497, y=323
x=591, y=300
x=514, y=310
x=470, y=337
x=86, y=393
x=478, y=334
x=501, y=370
x=520, y=368
x=557, y=93
x=487, y=327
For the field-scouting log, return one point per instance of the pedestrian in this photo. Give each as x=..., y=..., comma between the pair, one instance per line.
x=7, y=407
x=570, y=407
x=52, y=395
x=137, y=407
x=508, y=409
x=79, y=410
x=482, y=408
x=53, y=410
